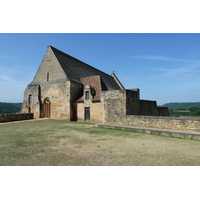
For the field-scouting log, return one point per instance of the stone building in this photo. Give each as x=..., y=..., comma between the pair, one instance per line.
x=67, y=88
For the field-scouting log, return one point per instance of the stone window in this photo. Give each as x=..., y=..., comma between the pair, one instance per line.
x=47, y=76
x=30, y=99
x=87, y=95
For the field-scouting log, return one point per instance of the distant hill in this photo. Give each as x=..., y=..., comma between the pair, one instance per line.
x=10, y=108
x=183, y=109
x=182, y=105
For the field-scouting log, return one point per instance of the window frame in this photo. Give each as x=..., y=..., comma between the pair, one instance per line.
x=87, y=95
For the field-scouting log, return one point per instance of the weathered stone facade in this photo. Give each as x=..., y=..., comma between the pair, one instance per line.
x=66, y=88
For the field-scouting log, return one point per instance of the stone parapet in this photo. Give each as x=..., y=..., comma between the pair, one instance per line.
x=15, y=117
x=174, y=123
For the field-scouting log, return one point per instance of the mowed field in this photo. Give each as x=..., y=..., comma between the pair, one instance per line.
x=51, y=142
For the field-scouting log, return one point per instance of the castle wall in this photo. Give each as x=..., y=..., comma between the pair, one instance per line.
x=114, y=103
x=163, y=111
x=133, y=102
x=148, y=108
x=119, y=102
x=174, y=123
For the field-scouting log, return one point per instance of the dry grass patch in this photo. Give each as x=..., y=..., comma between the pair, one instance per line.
x=56, y=142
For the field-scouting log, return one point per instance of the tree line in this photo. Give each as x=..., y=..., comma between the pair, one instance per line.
x=193, y=111
x=10, y=108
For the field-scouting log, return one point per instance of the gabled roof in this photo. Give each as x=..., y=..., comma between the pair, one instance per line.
x=76, y=69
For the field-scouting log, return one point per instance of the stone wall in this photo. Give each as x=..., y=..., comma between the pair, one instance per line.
x=15, y=117
x=95, y=111
x=32, y=103
x=114, y=103
x=49, y=70
x=148, y=108
x=163, y=111
x=173, y=123
x=50, y=82
x=76, y=91
x=133, y=102
x=57, y=95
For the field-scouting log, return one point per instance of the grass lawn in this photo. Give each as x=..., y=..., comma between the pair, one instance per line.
x=55, y=142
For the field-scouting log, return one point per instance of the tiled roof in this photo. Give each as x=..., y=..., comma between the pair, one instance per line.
x=97, y=85
x=76, y=69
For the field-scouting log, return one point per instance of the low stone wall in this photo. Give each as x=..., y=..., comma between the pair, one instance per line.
x=173, y=123
x=15, y=117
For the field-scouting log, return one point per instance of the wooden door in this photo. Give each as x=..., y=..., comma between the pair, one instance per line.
x=87, y=113
x=47, y=108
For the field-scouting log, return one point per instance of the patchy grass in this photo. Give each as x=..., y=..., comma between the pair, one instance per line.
x=56, y=142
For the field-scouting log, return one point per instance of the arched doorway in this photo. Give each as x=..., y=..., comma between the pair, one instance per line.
x=47, y=108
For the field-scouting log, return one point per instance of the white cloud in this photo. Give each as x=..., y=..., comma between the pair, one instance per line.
x=5, y=78
x=162, y=58
x=181, y=72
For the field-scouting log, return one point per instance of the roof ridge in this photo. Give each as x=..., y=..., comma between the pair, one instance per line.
x=65, y=54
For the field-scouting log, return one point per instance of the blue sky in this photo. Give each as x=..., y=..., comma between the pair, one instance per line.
x=165, y=67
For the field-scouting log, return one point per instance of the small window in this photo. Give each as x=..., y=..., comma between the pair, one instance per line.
x=47, y=76
x=30, y=99
x=87, y=95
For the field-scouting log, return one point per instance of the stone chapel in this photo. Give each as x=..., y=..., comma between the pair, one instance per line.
x=67, y=88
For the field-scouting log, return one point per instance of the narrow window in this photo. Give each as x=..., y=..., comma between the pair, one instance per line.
x=47, y=76
x=30, y=99
x=87, y=95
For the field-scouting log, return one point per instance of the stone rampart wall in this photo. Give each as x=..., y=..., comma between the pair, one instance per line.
x=114, y=103
x=133, y=102
x=15, y=117
x=173, y=123
x=163, y=111
x=148, y=108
